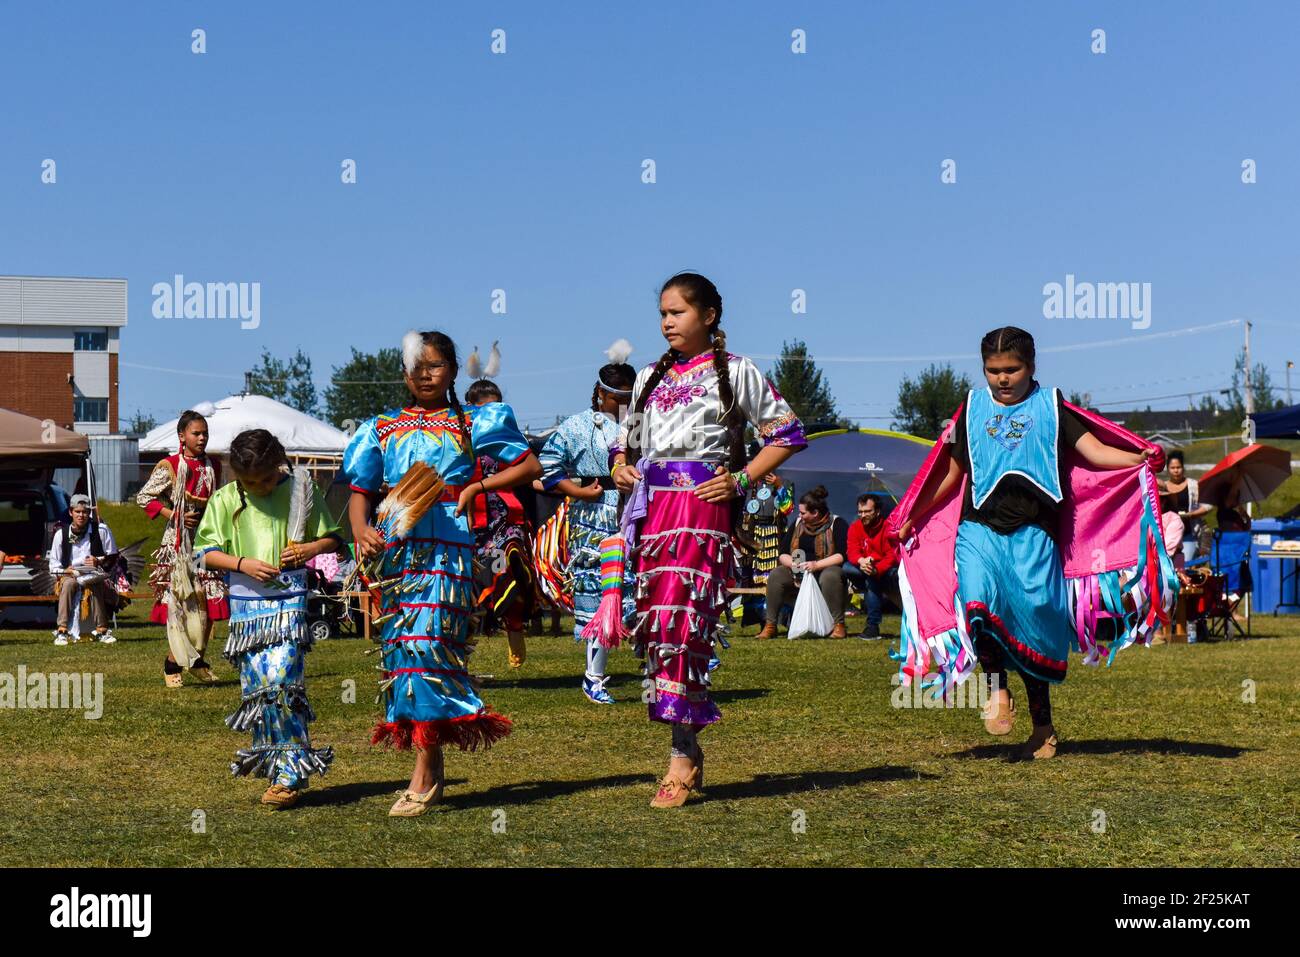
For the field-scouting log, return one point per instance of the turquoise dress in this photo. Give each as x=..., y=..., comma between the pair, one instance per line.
x=430, y=699
x=1010, y=582
x=579, y=449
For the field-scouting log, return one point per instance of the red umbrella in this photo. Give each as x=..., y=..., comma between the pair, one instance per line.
x=1251, y=474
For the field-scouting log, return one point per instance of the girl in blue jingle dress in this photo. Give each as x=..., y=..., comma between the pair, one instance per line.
x=429, y=696
x=575, y=461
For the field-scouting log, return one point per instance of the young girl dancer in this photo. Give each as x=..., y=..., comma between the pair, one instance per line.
x=1050, y=515
x=426, y=643
x=503, y=546
x=245, y=531
x=690, y=410
x=575, y=461
x=201, y=477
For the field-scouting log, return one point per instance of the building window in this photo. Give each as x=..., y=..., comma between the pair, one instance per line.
x=90, y=341
x=90, y=410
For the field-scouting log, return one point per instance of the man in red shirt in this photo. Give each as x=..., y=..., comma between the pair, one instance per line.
x=873, y=561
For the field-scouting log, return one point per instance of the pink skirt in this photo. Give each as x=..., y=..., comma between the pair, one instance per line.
x=684, y=565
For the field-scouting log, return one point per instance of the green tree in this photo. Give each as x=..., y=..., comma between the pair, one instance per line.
x=800, y=383
x=140, y=423
x=364, y=386
x=1261, y=384
x=924, y=404
x=288, y=382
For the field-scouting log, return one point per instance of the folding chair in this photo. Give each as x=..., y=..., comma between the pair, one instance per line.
x=1227, y=584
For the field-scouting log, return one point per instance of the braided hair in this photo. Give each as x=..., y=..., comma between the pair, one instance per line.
x=1010, y=339
x=413, y=346
x=703, y=295
x=620, y=375
x=252, y=451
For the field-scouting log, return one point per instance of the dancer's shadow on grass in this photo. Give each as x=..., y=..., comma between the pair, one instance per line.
x=739, y=694
x=779, y=785
x=1191, y=749
x=553, y=682
x=526, y=792
x=359, y=791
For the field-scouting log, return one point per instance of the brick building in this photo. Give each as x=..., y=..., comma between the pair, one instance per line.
x=59, y=349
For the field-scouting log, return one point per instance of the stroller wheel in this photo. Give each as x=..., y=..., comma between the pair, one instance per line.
x=320, y=630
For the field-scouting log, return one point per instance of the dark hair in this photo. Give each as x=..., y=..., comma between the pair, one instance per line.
x=442, y=344
x=1175, y=454
x=188, y=416
x=703, y=295
x=815, y=500
x=1009, y=339
x=866, y=497
x=480, y=389
x=254, y=450
x=620, y=375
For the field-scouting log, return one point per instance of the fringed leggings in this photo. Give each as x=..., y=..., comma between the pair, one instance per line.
x=993, y=661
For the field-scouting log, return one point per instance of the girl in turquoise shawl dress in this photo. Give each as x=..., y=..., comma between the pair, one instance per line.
x=1026, y=480
x=430, y=698
x=575, y=461
x=245, y=532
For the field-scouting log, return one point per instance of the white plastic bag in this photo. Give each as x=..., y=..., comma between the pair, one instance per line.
x=812, y=616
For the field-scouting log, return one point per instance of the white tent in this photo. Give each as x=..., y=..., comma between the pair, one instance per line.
x=301, y=435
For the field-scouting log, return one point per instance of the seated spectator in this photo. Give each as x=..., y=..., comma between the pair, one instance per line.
x=1181, y=495
x=873, y=561
x=1233, y=519
x=816, y=544
x=79, y=555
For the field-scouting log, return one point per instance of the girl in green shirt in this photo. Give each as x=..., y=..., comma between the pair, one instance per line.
x=245, y=532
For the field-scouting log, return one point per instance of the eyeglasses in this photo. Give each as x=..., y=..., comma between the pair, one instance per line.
x=422, y=368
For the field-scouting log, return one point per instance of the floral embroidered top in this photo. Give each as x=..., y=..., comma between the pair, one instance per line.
x=683, y=417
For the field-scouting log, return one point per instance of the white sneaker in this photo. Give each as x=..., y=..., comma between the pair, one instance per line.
x=61, y=637
x=104, y=637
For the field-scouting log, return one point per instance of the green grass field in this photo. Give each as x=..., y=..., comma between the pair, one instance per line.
x=1184, y=771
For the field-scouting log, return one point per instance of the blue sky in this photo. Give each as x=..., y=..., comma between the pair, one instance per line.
x=775, y=171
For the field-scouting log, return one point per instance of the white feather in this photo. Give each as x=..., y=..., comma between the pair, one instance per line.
x=299, y=505
x=474, y=365
x=619, y=350
x=494, y=361
x=412, y=349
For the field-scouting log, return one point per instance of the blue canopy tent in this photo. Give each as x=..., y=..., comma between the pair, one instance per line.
x=1278, y=424
x=852, y=461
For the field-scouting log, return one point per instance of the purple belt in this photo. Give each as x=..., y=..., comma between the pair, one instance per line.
x=671, y=475
x=678, y=474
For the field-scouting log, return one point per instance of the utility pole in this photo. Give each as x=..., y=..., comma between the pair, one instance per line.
x=1250, y=388
x=1289, y=366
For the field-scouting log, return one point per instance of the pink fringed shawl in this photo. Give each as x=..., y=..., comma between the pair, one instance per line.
x=1111, y=551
